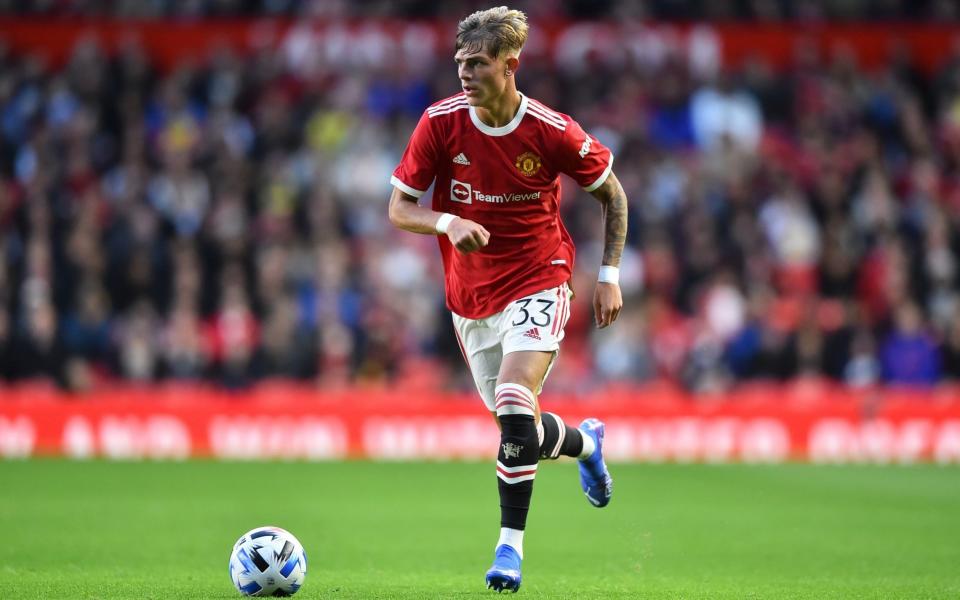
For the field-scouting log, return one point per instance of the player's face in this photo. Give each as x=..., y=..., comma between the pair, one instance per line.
x=482, y=77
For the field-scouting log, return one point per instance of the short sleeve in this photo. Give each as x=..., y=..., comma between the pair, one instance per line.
x=418, y=166
x=583, y=157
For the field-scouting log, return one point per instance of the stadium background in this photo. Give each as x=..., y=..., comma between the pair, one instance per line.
x=196, y=263
x=196, y=259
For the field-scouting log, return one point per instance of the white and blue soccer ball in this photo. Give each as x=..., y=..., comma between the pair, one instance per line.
x=268, y=561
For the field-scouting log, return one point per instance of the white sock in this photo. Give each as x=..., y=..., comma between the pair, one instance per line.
x=512, y=538
x=588, y=446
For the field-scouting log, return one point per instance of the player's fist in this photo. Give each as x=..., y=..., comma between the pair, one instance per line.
x=607, y=302
x=466, y=235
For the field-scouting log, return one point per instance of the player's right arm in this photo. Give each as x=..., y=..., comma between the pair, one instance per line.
x=413, y=176
x=405, y=213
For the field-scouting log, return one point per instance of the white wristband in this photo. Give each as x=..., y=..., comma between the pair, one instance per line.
x=444, y=221
x=609, y=274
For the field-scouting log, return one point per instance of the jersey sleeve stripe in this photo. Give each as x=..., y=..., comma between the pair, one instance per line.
x=451, y=99
x=546, y=119
x=449, y=110
x=406, y=188
x=602, y=178
x=444, y=103
x=547, y=111
x=447, y=102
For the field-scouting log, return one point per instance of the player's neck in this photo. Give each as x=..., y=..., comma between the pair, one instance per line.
x=501, y=110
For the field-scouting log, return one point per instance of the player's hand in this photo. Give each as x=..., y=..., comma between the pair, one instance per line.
x=607, y=302
x=466, y=235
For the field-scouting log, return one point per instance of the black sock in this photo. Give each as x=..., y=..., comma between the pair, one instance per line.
x=516, y=468
x=559, y=439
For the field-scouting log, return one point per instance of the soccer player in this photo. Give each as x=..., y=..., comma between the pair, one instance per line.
x=494, y=156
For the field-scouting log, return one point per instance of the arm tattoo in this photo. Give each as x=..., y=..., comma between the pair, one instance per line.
x=614, y=201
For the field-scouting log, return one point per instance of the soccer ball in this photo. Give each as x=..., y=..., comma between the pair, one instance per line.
x=268, y=561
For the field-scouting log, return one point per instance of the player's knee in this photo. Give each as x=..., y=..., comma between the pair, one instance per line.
x=519, y=449
x=516, y=409
x=526, y=369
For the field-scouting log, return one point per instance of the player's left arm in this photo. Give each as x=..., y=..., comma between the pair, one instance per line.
x=607, y=299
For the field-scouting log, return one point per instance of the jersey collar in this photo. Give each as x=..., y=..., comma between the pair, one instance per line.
x=498, y=131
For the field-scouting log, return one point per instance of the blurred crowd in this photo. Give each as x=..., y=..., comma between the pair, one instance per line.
x=937, y=11
x=226, y=221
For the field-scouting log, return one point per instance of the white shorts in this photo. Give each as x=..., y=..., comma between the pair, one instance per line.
x=534, y=322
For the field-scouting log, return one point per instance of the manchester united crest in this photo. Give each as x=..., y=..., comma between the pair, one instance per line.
x=511, y=450
x=528, y=163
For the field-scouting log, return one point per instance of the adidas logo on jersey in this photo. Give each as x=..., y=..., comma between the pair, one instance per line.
x=461, y=159
x=532, y=334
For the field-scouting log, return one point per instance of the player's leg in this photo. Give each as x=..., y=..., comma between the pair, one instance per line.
x=559, y=439
x=556, y=437
x=530, y=330
x=517, y=457
x=584, y=443
x=547, y=312
x=480, y=345
x=481, y=348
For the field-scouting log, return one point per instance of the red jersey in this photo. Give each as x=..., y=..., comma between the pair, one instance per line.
x=508, y=180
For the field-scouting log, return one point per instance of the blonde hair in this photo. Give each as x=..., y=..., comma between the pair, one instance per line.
x=497, y=31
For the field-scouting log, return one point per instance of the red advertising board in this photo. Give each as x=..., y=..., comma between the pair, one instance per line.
x=766, y=424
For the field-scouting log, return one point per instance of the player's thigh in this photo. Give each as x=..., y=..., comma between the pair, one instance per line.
x=531, y=330
x=525, y=367
x=529, y=369
x=483, y=354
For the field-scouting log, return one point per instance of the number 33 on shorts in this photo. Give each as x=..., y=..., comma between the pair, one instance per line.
x=536, y=322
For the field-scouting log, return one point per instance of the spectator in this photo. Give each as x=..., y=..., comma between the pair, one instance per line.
x=909, y=355
x=225, y=222
x=38, y=352
x=87, y=330
x=863, y=368
x=287, y=348
x=7, y=364
x=136, y=349
x=719, y=111
x=186, y=353
x=233, y=332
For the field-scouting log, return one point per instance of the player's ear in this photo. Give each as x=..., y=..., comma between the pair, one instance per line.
x=513, y=63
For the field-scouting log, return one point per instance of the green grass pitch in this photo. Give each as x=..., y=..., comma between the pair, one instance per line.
x=165, y=530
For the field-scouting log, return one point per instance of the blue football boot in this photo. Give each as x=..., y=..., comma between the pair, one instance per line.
x=594, y=477
x=504, y=575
